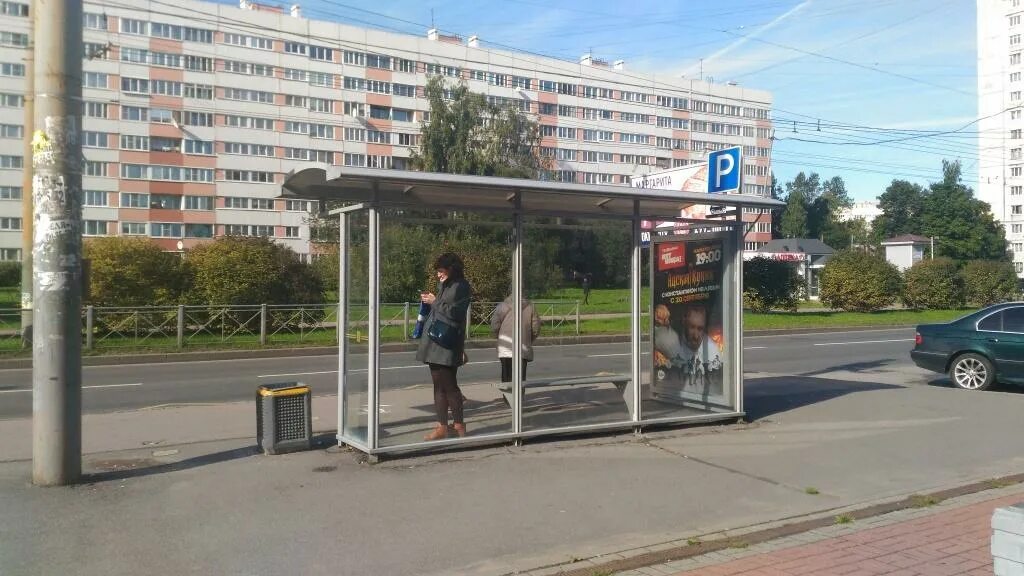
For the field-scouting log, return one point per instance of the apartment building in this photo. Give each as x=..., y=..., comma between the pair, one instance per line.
x=194, y=112
x=1001, y=128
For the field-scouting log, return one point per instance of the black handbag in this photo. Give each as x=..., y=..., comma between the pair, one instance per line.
x=444, y=334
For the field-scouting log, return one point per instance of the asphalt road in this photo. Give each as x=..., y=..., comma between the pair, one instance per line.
x=125, y=387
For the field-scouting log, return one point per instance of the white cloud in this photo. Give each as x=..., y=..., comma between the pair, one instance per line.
x=740, y=42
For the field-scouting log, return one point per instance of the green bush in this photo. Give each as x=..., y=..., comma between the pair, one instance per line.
x=859, y=281
x=990, y=282
x=10, y=274
x=126, y=271
x=933, y=285
x=769, y=283
x=488, y=266
x=236, y=270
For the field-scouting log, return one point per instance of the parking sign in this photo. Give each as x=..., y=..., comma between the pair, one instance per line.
x=724, y=168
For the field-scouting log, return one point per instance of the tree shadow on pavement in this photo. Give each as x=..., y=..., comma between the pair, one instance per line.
x=764, y=397
x=124, y=468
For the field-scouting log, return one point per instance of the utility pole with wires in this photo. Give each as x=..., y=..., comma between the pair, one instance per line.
x=57, y=244
x=26, y=190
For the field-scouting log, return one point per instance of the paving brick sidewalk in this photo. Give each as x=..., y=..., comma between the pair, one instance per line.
x=944, y=540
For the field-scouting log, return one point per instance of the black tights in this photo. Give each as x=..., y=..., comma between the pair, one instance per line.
x=446, y=393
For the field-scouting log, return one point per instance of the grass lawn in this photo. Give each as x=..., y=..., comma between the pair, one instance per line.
x=784, y=320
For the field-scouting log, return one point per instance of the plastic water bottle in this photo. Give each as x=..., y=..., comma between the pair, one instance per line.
x=417, y=330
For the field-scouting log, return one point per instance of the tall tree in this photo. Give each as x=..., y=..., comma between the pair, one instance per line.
x=802, y=191
x=468, y=135
x=794, y=216
x=824, y=213
x=901, y=205
x=963, y=226
x=777, y=194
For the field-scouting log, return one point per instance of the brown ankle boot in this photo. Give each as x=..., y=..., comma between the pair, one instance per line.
x=460, y=430
x=440, y=433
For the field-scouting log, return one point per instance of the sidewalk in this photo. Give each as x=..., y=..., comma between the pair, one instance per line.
x=165, y=498
x=946, y=539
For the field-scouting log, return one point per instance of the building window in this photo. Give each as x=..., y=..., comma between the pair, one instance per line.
x=94, y=228
x=1014, y=58
x=198, y=202
x=134, y=200
x=14, y=9
x=11, y=162
x=12, y=69
x=1016, y=210
x=10, y=223
x=94, y=80
x=296, y=206
x=199, y=147
x=1016, y=190
x=165, y=230
x=133, y=228
x=10, y=192
x=355, y=160
x=13, y=131
x=96, y=109
x=355, y=58
x=94, y=198
x=199, y=230
x=15, y=39
x=95, y=21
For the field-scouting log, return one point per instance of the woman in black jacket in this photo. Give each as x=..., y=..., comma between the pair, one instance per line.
x=442, y=346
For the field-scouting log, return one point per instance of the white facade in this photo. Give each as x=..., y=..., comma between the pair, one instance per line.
x=1001, y=128
x=866, y=209
x=197, y=110
x=904, y=255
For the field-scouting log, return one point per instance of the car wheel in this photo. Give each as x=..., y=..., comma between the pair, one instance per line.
x=972, y=372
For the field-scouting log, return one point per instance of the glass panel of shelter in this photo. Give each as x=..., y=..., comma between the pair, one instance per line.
x=576, y=277
x=353, y=296
x=411, y=241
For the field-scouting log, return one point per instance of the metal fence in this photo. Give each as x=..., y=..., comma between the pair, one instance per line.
x=253, y=326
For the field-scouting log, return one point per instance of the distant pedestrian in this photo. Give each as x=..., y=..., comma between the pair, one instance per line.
x=444, y=347
x=503, y=326
x=588, y=281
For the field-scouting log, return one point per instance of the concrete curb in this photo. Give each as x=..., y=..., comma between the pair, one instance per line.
x=246, y=354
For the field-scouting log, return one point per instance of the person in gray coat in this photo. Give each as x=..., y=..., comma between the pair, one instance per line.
x=503, y=326
x=449, y=306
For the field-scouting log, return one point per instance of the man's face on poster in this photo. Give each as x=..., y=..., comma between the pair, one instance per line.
x=696, y=327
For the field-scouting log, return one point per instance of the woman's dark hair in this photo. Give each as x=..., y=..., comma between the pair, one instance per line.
x=451, y=262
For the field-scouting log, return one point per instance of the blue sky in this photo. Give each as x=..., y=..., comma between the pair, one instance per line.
x=864, y=68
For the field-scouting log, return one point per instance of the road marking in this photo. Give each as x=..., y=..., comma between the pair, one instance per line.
x=800, y=335
x=83, y=387
x=296, y=374
x=609, y=355
x=411, y=367
x=755, y=347
x=864, y=342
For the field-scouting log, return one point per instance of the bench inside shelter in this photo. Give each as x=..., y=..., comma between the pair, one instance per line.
x=621, y=381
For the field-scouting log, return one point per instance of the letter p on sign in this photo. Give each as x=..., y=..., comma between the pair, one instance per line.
x=724, y=171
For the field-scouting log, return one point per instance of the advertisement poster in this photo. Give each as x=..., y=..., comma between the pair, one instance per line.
x=692, y=178
x=689, y=344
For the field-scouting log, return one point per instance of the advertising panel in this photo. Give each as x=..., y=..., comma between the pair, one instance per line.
x=688, y=300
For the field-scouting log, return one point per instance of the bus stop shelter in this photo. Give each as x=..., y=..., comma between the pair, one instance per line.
x=676, y=352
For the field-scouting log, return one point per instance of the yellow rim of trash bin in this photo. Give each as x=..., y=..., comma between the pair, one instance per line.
x=286, y=392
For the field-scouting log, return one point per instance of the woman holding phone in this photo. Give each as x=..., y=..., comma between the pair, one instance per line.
x=443, y=345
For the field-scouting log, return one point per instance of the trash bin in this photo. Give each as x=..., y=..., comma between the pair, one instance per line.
x=284, y=417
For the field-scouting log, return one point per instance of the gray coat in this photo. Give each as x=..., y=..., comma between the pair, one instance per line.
x=503, y=326
x=451, y=305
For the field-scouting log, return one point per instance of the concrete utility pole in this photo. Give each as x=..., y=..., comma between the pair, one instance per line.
x=26, y=191
x=57, y=246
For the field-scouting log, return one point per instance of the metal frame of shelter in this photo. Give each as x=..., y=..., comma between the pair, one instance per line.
x=371, y=191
